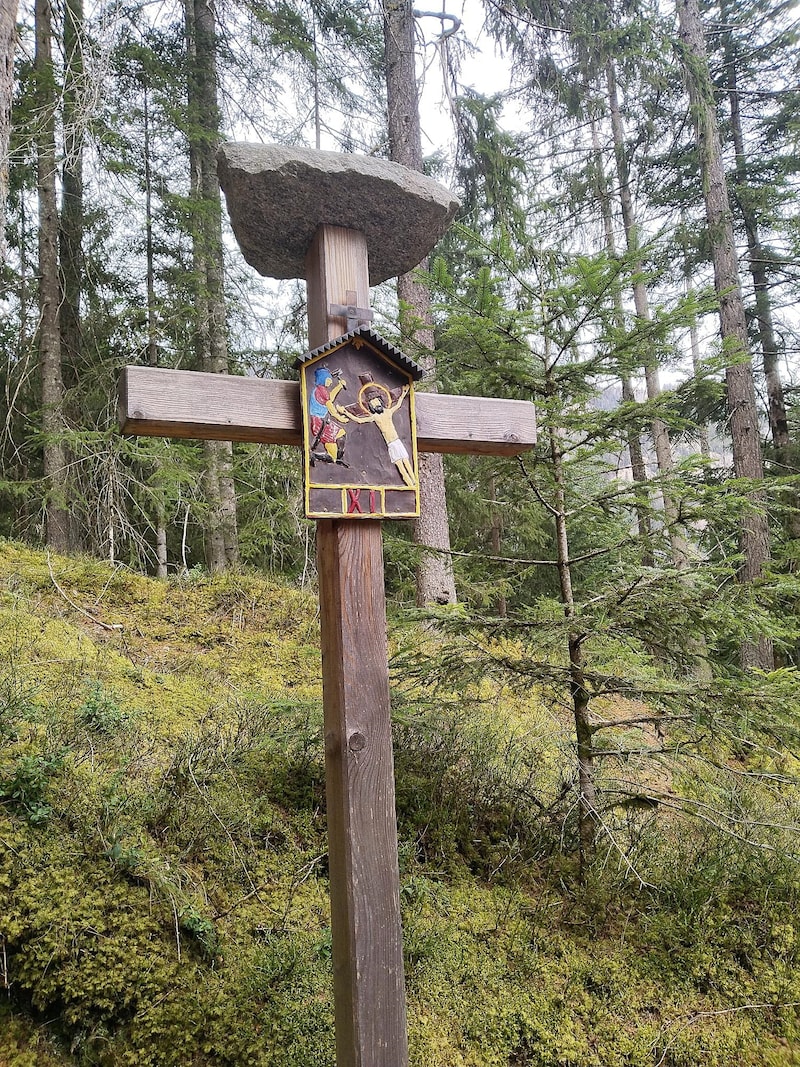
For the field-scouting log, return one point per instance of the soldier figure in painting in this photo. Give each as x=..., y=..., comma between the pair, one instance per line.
x=377, y=404
x=326, y=417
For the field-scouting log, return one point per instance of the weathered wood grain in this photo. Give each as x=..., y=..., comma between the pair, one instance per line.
x=368, y=981
x=224, y=407
x=362, y=833
x=336, y=256
x=474, y=425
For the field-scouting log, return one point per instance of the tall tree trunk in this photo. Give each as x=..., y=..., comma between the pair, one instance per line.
x=8, y=39
x=743, y=412
x=638, y=468
x=161, y=544
x=54, y=454
x=152, y=322
x=661, y=441
x=776, y=408
x=678, y=544
x=222, y=544
x=435, y=582
x=757, y=263
x=70, y=234
x=71, y=219
x=18, y=407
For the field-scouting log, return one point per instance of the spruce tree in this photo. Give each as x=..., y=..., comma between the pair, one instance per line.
x=222, y=546
x=549, y=332
x=758, y=202
x=741, y=398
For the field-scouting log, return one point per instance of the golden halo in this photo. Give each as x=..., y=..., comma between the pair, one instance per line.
x=374, y=385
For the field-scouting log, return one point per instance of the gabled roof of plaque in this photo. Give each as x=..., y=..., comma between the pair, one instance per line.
x=394, y=355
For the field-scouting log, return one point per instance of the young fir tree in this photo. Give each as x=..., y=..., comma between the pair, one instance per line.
x=550, y=348
x=620, y=649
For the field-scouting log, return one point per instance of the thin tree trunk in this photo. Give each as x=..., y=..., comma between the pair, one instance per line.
x=678, y=544
x=152, y=321
x=743, y=412
x=161, y=545
x=8, y=40
x=776, y=408
x=71, y=220
x=501, y=604
x=661, y=441
x=702, y=429
x=638, y=468
x=15, y=400
x=70, y=237
x=587, y=787
x=54, y=455
x=435, y=582
x=222, y=543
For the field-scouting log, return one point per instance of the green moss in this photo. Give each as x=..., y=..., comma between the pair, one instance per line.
x=163, y=869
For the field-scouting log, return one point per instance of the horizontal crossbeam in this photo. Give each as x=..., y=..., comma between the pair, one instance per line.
x=156, y=402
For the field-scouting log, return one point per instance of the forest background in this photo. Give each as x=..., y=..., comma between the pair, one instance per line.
x=595, y=647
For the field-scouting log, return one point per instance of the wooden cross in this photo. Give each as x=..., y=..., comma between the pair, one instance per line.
x=334, y=252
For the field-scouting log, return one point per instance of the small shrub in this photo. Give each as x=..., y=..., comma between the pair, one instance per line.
x=100, y=713
x=201, y=931
x=25, y=790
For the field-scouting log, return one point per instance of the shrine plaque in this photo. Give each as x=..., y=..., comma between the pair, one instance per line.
x=359, y=429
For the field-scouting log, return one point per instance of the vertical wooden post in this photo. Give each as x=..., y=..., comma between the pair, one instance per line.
x=336, y=263
x=369, y=986
x=362, y=830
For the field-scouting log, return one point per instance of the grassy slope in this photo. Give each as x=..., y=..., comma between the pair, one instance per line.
x=163, y=894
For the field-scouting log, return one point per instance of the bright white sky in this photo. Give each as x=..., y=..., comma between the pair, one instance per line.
x=482, y=69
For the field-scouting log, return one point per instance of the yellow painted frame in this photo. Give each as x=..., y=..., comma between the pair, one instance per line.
x=380, y=490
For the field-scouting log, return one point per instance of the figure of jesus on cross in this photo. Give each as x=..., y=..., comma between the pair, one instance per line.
x=378, y=405
x=342, y=222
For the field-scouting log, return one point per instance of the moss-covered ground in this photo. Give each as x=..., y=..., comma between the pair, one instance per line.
x=163, y=866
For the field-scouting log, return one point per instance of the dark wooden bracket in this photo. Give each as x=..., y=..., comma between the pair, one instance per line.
x=354, y=315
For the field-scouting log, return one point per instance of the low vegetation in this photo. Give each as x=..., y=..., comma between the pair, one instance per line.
x=163, y=871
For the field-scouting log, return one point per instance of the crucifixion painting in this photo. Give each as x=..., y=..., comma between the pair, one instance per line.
x=361, y=456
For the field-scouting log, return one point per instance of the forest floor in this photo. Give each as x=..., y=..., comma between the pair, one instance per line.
x=163, y=856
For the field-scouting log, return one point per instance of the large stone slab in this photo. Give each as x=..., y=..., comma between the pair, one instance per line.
x=278, y=196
